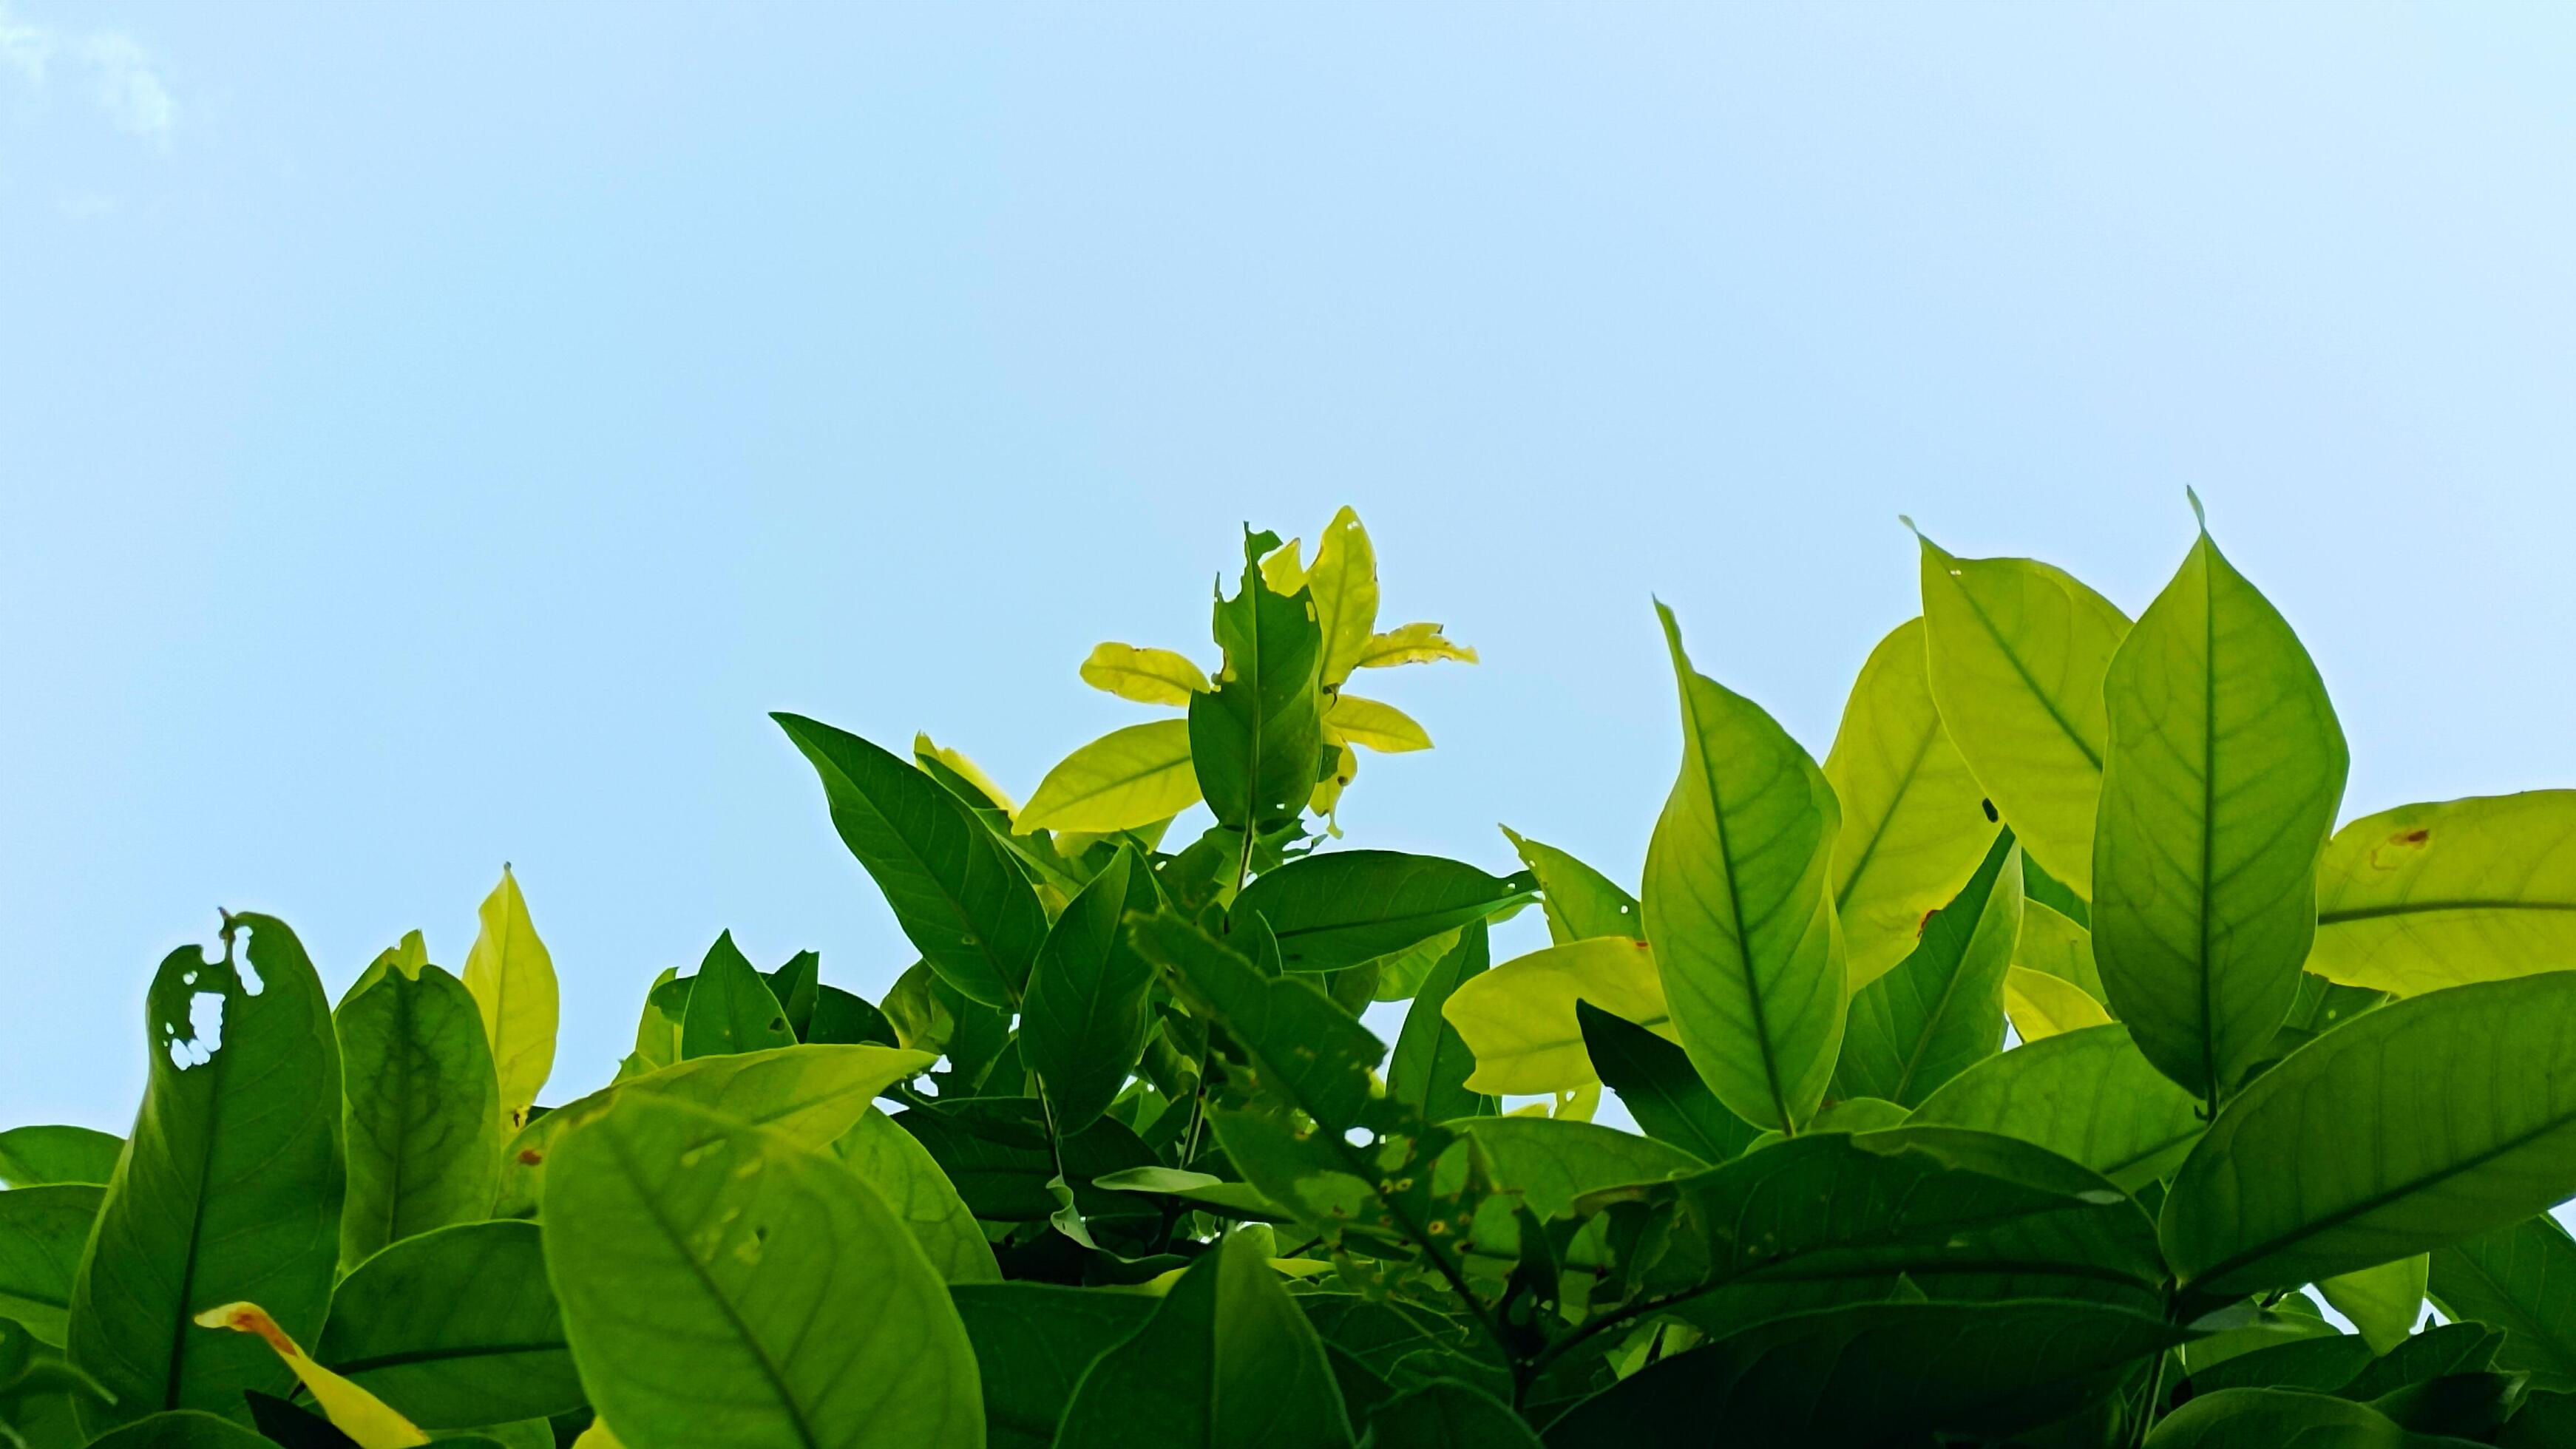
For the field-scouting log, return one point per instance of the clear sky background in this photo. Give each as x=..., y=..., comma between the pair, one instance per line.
x=432, y=437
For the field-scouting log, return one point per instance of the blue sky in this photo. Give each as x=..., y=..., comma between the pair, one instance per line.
x=430, y=438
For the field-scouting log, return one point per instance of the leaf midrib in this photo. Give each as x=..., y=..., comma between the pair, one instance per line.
x=2461, y=903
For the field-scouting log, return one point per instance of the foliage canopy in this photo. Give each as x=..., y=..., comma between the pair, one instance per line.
x=2013, y=1076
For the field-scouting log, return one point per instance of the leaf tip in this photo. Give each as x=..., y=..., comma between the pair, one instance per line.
x=2199, y=514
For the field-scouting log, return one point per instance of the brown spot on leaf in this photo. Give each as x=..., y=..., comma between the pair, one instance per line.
x=530, y=1157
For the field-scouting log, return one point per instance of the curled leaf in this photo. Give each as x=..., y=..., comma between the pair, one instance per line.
x=352, y=1410
x=1147, y=676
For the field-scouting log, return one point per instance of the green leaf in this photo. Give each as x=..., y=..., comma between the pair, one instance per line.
x=1876, y=1373
x=42, y=1232
x=1257, y=742
x=1431, y=1065
x=1083, y=1025
x=1831, y=1217
x=2055, y=946
x=2218, y=791
x=2087, y=1096
x=1580, y=902
x=1915, y=820
x=512, y=976
x=954, y=891
x=1226, y=1360
x=2016, y=651
x=1127, y=778
x=1737, y=906
x=2453, y=1113
x=1942, y=1011
x=183, y=1429
x=423, y=1120
x=731, y=1008
x=1304, y=1047
x=811, y=1093
x=657, y=1030
x=2439, y=1351
x=843, y=1019
x=1549, y=1162
x=2383, y=1301
x=1035, y=1341
x=456, y=1328
x=1655, y=1080
x=798, y=985
x=2274, y=1418
x=1147, y=676
x=1519, y=1018
x=997, y=1153
x=2041, y=1005
x=229, y=1189
x=2426, y=896
x=892, y=1161
x=37, y=1156
x=1348, y=906
x=1446, y=1414
x=2521, y=1279
x=2321, y=1364
x=725, y=1275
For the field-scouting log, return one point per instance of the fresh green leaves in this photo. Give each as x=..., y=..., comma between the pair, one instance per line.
x=1737, y=907
x=2219, y=786
x=1257, y=740
x=724, y=1274
x=953, y=887
x=2086, y=1095
x=1083, y=1025
x=2452, y=1113
x=42, y=1231
x=230, y=1188
x=423, y=1123
x=455, y=1328
x=2427, y=896
x=1942, y=1010
x=731, y=1007
x=1344, y=907
x=34, y=1156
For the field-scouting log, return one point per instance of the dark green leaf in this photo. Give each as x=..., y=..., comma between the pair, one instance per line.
x=1034, y=1342
x=1661, y=1088
x=1941, y=1010
x=1226, y=1360
x=183, y=1429
x=1871, y=1373
x=1257, y=740
x=2319, y=1365
x=995, y=1149
x=798, y=986
x=1431, y=1065
x=2283, y=1419
x=35, y=1156
x=2521, y=1279
x=1339, y=909
x=424, y=1116
x=2451, y=1114
x=290, y=1427
x=954, y=891
x=229, y=1190
x=1083, y=1025
x=1446, y=1414
x=1303, y=1046
x=731, y=1008
x=722, y=1274
x=2444, y=1349
x=1549, y=1163
x=42, y=1232
x=842, y=1018
x=2086, y=1095
x=455, y=1328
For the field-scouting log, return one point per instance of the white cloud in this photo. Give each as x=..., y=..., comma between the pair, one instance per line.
x=126, y=85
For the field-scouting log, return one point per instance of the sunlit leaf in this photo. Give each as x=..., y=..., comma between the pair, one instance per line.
x=1410, y=644
x=893, y=1162
x=1126, y=778
x=35, y=1156
x=1581, y=902
x=456, y=1328
x=423, y=1121
x=1738, y=909
x=2453, y=1113
x=2218, y=790
x=1914, y=818
x=1256, y=742
x=956, y=763
x=1942, y=1009
x=2426, y=896
x=2382, y=1301
x=1344, y=584
x=731, y=1007
x=2086, y=1095
x=723, y=1274
x=2055, y=946
x=2016, y=651
x=1339, y=908
x=1519, y=1018
x=2041, y=1005
x=512, y=976
x=1380, y=727
x=1147, y=676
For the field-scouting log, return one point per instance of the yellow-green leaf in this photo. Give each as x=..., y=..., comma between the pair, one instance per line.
x=2425, y=896
x=1738, y=908
x=1381, y=727
x=1410, y=644
x=2041, y=1005
x=1147, y=676
x=2016, y=652
x=352, y=1410
x=1125, y=779
x=1518, y=1019
x=513, y=981
x=2056, y=946
x=1282, y=570
x=1344, y=585
x=1914, y=817
x=1581, y=902
x=2383, y=1302
x=967, y=770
